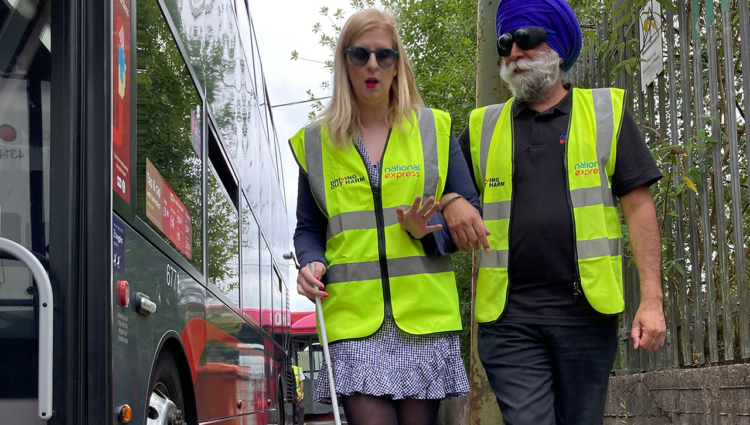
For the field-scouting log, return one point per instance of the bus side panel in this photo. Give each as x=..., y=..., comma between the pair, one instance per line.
x=180, y=310
x=232, y=377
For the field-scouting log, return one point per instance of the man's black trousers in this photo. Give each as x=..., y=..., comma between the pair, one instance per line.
x=549, y=375
x=299, y=413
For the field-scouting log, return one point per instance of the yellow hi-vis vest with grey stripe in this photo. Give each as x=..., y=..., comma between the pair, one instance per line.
x=298, y=378
x=375, y=268
x=590, y=156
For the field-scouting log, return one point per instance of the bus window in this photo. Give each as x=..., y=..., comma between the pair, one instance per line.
x=189, y=18
x=317, y=351
x=266, y=283
x=250, y=263
x=223, y=71
x=249, y=149
x=267, y=182
x=223, y=240
x=25, y=142
x=278, y=207
x=169, y=144
x=277, y=309
x=260, y=89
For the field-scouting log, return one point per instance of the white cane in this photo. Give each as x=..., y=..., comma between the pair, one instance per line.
x=326, y=355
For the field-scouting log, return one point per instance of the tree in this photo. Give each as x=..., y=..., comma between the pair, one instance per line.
x=440, y=40
x=440, y=37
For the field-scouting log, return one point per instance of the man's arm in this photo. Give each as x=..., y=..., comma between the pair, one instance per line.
x=463, y=220
x=649, y=327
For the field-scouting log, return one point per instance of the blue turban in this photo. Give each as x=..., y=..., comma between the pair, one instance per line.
x=553, y=15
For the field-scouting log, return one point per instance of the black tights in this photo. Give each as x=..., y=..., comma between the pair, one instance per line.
x=361, y=409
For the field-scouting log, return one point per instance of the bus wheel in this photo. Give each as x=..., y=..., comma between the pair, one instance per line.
x=282, y=407
x=166, y=404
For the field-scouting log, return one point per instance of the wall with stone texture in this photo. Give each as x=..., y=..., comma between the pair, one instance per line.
x=706, y=396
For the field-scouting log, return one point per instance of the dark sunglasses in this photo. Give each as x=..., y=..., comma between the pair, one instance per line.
x=526, y=38
x=360, y=56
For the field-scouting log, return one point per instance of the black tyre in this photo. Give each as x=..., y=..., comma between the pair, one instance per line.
x=282, y=406
x=166, y=404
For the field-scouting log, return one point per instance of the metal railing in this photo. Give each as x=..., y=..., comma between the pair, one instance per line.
x=693, y=119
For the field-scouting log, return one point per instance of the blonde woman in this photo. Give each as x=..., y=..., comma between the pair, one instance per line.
x=370, y=235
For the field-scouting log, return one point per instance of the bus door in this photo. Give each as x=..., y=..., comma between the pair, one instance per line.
x=25, y=41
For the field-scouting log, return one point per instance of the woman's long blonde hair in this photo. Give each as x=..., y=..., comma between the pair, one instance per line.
x=342, y=115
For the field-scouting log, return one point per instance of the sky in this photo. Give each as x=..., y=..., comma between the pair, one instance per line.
x=282, y=27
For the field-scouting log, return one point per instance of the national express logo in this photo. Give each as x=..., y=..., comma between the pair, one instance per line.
x=494, y=182
x=401, y=171
x=586, y=168
x=341, y=181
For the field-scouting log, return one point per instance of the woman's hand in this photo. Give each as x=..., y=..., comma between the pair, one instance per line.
x=415, y=219
x=308, y=284
x=465, y=225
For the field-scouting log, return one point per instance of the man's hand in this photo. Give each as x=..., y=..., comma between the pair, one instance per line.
x=299, y=398
x=649, y=327
x=465, y=225
x=415, y=219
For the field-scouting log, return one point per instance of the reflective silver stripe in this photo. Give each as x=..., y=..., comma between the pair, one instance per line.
x=428, y=133
x=598, y=248
x=350, y=221
x=353, y=272
x=408, y=266
x=496, y=210
x=615, y=247
x=491, y=115
x=397, y=267
x=495, y=259
x=588, y=196
x=314, y=159
x=361, y=220
x=605, y=130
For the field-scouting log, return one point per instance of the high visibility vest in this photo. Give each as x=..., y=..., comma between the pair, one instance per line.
x=590, y=155
x=298, y=378
x=375, y=268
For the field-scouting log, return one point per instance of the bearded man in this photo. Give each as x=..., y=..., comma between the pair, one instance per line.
x=552, y=164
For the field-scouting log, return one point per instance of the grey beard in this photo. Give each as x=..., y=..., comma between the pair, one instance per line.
x=537, y=83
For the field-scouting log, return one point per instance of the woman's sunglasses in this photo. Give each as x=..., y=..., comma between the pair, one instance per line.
x=526, y=38
x=360, y=56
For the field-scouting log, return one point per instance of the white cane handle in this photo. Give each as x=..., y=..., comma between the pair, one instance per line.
x=327, y=355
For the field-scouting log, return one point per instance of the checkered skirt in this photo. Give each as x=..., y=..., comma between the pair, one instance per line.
x=394, y=363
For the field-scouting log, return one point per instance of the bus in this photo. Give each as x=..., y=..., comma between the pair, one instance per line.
x=143, y=224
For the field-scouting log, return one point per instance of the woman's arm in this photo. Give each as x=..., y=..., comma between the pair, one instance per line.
x=310, y=234
x=458, y=181
x=309, y=240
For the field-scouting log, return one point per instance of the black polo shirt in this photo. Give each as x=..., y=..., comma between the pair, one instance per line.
x=542, y=261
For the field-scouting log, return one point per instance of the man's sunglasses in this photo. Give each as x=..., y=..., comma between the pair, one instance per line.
x=526, y=38
x=360, y=56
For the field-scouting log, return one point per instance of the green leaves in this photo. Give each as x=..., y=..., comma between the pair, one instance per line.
x=440, y=39
x=620, y=9
x=667, y=5
x=690, y=183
